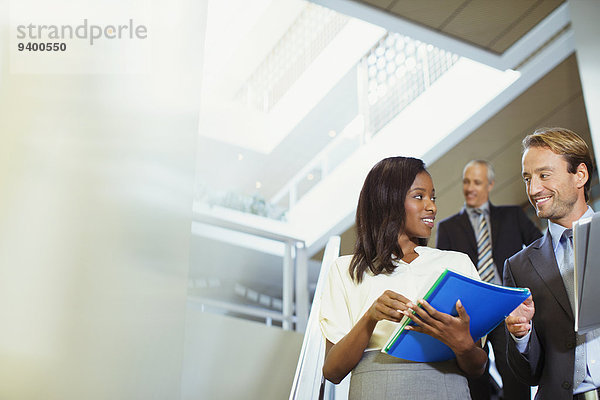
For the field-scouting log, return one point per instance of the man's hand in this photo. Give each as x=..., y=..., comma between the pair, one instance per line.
x=519, y=321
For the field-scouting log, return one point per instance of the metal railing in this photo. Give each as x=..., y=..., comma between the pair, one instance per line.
x=295, y=299
x=308, y=378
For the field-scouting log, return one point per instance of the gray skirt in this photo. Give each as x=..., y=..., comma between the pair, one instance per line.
x=379, y=376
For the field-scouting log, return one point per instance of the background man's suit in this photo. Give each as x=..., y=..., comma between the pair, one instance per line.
x=550, y=358
x=510, y=229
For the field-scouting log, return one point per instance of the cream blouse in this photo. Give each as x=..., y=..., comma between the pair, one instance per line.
x=344, y=302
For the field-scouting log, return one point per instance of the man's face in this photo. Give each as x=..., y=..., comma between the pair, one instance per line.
x=552, y=189
x=476, y=187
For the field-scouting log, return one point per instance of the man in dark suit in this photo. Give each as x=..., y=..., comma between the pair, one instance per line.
x=543, y=348
x=489, y=235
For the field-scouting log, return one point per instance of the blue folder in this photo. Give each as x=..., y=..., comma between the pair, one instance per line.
x=487, y=305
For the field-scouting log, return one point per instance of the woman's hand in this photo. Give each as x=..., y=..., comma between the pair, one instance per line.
x=452, y=331
x=342, y=357
x=390, y=306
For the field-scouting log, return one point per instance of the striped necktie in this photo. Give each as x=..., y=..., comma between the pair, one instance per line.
x=485, y=263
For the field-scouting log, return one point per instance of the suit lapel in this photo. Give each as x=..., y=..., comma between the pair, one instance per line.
x=495, y=221
x=466, y=226
x=544, y=262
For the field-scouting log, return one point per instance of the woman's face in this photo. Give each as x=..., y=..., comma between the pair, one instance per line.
x=420, y=207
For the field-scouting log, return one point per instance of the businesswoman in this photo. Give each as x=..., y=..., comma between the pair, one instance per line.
x=368, y=293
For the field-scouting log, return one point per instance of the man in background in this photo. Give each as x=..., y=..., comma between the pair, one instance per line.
x=489, y=235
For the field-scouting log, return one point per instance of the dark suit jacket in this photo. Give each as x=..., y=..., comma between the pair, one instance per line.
x=511, y=229
x=550, y=357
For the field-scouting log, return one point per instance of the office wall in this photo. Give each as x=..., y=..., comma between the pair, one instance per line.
x=96, y=178
x=229, y=358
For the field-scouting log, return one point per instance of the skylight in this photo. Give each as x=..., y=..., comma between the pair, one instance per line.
x=405, y=90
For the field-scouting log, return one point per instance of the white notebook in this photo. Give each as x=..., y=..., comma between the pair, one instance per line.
x=586, y=249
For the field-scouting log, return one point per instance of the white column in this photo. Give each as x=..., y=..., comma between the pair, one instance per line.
x=288, y=286
x=96, y=178
x=584, y=19
x=301, y=287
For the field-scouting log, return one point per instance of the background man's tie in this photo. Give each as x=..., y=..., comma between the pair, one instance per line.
x=485, y=263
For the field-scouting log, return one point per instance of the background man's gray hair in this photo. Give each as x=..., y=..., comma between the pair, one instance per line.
x=490, y=169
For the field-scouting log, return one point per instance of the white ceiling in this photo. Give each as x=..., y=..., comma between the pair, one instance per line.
x=250, y=145
x=556, y=99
